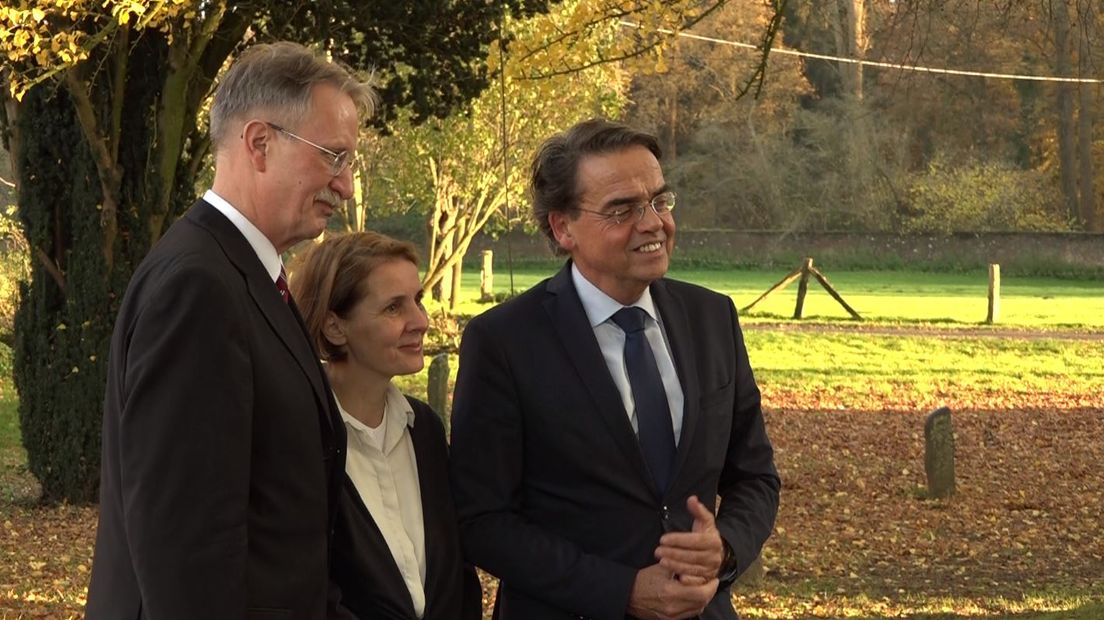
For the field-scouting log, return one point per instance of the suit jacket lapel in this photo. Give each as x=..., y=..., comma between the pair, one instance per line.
x=677, y=327
x=574, y=331
x=264, y=295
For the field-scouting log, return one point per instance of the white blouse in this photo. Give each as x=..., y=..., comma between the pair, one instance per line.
x=384, y=470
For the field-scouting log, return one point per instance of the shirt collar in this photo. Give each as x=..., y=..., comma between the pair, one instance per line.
x=397, y=413
x=599, y=307
x=257, y=240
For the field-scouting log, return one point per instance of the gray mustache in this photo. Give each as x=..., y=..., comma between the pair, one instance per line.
x=329, y=197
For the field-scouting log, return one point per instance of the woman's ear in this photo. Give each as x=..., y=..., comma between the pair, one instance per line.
x=333, y=330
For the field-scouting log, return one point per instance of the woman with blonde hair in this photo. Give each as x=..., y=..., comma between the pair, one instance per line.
x=396, y=550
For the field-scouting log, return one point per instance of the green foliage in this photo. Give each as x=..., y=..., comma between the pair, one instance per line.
x=461, y=171
x=62, y=335
x=832, y=167
x=980, y=196
x=97, y=192
x=14, y=269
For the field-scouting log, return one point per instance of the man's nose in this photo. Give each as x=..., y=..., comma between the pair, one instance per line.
x=343, y=183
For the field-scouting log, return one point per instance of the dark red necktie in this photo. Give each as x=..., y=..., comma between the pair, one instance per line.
x=281, y=285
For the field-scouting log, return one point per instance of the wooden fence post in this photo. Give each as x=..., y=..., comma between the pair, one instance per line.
x=994, y=294
x=437, y=386
x=803, y=287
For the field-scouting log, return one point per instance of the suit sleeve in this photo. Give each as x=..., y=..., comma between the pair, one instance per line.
x=184, y=445
x=749, y=485
x=488, y=464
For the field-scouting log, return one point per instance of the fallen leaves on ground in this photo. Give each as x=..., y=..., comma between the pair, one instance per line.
x=855, y=529
x=1026, y=515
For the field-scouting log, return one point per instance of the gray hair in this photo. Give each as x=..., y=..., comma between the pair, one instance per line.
x=279, y=77
x=554, y=172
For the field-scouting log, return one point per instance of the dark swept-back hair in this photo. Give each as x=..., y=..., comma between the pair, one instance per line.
x=553, y=175
x=332, y=276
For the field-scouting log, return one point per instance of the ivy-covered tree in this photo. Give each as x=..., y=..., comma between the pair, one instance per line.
x=103, y=117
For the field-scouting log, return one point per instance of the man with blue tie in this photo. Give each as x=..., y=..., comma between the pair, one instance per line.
x=609, y=454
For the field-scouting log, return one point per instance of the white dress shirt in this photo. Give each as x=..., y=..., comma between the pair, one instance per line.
x=260, y=243
x=381, y=463
x=599, y=308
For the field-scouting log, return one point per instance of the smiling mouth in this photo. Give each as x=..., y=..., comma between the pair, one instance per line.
x=650, y=247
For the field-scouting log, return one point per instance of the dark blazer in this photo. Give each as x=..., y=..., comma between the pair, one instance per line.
x=222, y=448
x=551, y=488
x=364, y=570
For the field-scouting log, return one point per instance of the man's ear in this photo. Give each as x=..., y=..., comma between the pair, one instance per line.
x=334, y=331
x=560, y=223
x=256, y=136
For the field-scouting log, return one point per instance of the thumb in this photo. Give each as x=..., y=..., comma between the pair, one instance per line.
x=703, y=517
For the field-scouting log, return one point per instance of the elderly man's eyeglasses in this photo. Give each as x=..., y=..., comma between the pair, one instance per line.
x=338, y=161
x=662, y=204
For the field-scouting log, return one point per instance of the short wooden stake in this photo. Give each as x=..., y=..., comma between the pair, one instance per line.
x=994, y=294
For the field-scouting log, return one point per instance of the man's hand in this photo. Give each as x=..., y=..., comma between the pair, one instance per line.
x=658, y=595
x=694, y=554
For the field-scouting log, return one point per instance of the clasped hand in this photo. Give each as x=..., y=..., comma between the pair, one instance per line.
x=684, y=580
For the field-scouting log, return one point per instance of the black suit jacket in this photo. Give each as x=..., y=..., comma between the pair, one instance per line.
x=371, y=586
x=222, y=448
x=550, y=485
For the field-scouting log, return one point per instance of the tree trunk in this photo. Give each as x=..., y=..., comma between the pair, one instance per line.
x=849, y=30
x=670, y=129
x=454, y=294
x=1067, y=143
x=442, y=292
x=101, y=134
x=1085, y=119
x=1085, y=163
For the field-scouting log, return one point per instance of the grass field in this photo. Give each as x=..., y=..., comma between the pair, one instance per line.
x=896, y=296
x=856, y=538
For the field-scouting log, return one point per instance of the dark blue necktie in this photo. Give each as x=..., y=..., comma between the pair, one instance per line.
x=653, y=416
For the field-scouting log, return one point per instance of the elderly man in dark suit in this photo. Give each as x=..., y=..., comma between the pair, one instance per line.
x=608, y=447
x=222, y=448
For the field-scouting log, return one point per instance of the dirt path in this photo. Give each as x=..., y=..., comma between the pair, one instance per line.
x=927, y=330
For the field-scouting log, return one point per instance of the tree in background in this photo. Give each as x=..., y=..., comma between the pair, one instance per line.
x=734, y=159
x=1037, y=126
x=102, y=120
x=826, y=147
x=558, y=69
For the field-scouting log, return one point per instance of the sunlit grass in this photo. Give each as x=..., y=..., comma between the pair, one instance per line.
x=890, y=296
x=850, y=360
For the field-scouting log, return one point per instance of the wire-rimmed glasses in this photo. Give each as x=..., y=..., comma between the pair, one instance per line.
x=662, y=204
x=338, y=161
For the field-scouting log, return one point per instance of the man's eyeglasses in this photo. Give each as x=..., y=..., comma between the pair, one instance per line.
x=338, y=161
x=662, y=204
